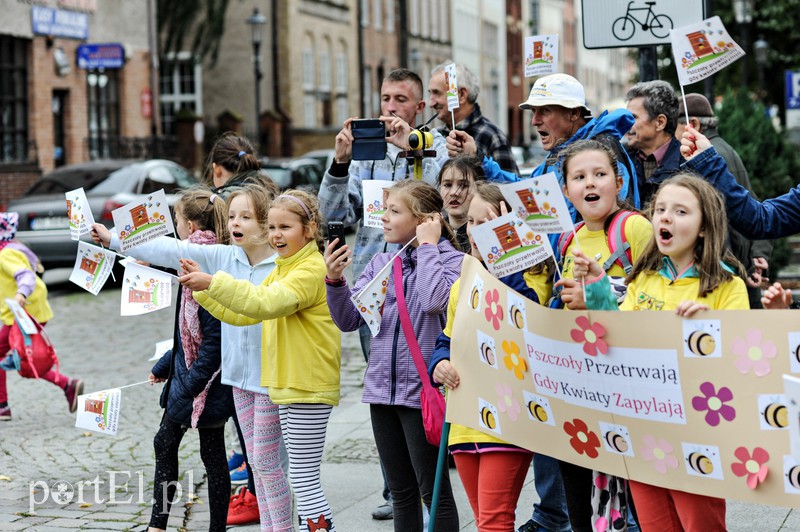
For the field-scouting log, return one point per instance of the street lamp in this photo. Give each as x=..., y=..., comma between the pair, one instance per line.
x=761, y=48
x=256, y=22
x=743, y=11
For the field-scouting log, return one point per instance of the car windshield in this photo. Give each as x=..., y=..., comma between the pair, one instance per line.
x=66, y=179
x=281, y=176
x=123, y=180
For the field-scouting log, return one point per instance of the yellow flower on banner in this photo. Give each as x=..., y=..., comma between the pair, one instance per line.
x=513, y=361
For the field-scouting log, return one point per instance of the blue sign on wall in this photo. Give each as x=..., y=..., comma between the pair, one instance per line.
x=101, y=56
x=59, y=23
x=792, y=90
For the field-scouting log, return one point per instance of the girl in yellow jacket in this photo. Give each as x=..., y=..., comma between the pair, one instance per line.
x=686, y=268
x=301, y=346
x=18, y=281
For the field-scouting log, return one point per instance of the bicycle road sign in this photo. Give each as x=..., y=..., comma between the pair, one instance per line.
x=631, y=23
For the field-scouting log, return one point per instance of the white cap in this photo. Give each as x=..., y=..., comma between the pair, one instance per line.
x=556, y=89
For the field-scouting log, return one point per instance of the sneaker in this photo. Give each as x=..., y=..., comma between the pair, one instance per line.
x=530, y=526
x=72, y=391
x=235, y=460
x=383, y=512
x=5, y=413
x=239, y=475
x=243, y=509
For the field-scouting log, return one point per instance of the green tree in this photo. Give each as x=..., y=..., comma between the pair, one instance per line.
x=196, y=23
x=771, y=160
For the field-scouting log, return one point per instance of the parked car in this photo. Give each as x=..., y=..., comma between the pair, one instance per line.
x=304, y=174
x=324, y=157
x=43, y=222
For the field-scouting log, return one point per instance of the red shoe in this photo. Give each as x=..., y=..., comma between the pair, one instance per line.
x=243, y=509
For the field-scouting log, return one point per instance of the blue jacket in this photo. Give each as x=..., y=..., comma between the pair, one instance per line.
x=772, y=218
x=184, y=384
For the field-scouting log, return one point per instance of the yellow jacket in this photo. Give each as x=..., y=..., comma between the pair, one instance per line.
x=301, y=346
x=11, y=262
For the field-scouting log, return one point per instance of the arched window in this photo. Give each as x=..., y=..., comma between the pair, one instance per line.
x=309, y=82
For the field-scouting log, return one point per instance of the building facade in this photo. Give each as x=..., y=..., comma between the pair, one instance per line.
x=75, y=85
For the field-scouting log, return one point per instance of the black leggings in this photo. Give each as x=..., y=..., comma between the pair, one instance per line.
x=212, y=452
x=410, y=464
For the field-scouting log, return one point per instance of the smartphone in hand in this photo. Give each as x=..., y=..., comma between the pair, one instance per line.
x=336, y=230
x=369, y=139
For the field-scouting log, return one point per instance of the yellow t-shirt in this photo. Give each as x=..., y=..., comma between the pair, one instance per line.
x=653, y=291
x=594, y=244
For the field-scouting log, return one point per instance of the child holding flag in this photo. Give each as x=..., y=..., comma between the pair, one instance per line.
x=430, y=265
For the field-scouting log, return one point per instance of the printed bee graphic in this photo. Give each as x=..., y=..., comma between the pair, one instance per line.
x=616, y=441
x=487, y=414
x=475, y=297
x=793, y=476
x=701, y=343
x=487, y=354
x=517, y=317
x=538, y=411
x=700, y=463
x=702, y=338
x=488, y=418
x=776, y=415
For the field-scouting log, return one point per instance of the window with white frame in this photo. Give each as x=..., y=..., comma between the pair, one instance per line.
x=444, y=20
x=180, y=87
x=341, y=72
x=414, y=9
x=435, y=19
x=377, y=14
x=309, y=110
x=308, y=69
x=364, y=5
x=424, y=19
x=390, y=7
x=325, y=71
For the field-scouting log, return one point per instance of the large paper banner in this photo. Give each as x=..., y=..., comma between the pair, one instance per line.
x=143, y=220
x=508, y=245
x=144, y=290
x=79, y=213
x=374, y=207
x=92, y=267
x=702, y=49
x=541, y=55
x=451, y=82
x=540, y=202
x=690, y=404
x=99, y=411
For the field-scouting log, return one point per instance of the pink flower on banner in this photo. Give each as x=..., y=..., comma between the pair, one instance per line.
x=590, y=335
x=751, y=353
x=659, y=451
x=754, y=467
x=494, y=311
x=506, y=401
x=713, y=402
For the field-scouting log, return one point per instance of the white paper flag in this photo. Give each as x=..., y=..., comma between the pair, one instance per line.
x=540, y=202
x=508, y=245
x=702, y=49
x=79, y=213
x=374, y=206
x=144, y=290
x=99, y=411
x=451, y=82
x=92, y=267
x=541, y=55
x=143, y=220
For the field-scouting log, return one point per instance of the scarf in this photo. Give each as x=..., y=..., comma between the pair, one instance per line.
x=8, y=229
x=191, y=334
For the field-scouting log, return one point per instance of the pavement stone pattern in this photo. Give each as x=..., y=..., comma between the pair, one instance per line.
x=54, y=476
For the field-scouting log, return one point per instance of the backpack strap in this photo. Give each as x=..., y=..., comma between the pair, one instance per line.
x=618, y=243
x=566, y=239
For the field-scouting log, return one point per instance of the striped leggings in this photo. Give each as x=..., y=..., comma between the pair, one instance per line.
x=261, y=427
x=304, y=427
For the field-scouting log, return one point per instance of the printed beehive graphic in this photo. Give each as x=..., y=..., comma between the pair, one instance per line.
x=701, y=49
x=142, y=220
x=540, y=55
x=78, y=213
x=92, y=268
x=144, y=290
x=508, y=245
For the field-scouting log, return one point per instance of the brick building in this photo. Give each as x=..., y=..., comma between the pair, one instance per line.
x=58, y=110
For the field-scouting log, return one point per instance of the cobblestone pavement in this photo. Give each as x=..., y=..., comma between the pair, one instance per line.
x=54, y=476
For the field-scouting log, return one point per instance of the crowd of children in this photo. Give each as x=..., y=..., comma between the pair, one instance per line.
x=264, y=298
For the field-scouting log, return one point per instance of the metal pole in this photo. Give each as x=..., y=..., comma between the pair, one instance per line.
x=257, y=72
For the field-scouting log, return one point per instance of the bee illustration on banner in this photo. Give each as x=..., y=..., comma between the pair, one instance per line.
x=773, y=413
x=616, y=438
x=538, y=408
x=794, y=351
x=702, y=460
x=702, y=339
x=791, y=474
x=487, y=353
x=488, y=418
x=476, y=293
x=516, y=311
